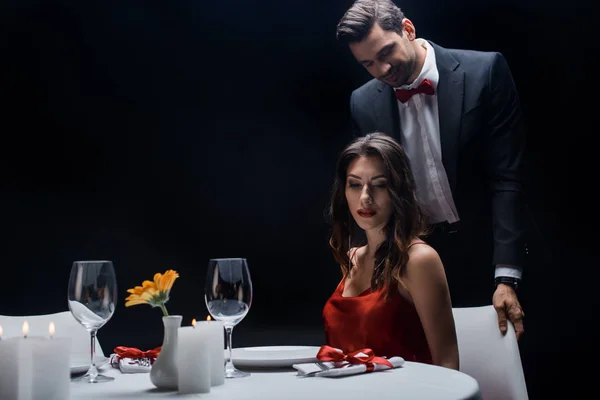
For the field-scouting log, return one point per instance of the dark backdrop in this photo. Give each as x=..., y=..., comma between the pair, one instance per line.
x=160, y=134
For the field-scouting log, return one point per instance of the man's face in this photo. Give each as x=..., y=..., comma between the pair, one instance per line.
x=387, y=56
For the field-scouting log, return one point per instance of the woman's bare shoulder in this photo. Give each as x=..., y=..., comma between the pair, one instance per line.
x=421, y=256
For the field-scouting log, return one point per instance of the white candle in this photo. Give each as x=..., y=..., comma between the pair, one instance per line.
x=51, y=367
x=216, y=347
x=193, y=360
x=15, y=368
x=34, y=368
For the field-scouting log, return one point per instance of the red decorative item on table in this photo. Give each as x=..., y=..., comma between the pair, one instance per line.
x=362, y=356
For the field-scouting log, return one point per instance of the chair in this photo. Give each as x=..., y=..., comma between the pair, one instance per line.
x=65, y=326
x=492, y=359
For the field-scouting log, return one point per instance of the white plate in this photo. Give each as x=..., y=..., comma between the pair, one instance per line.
x=79, y=366
x=273, y=356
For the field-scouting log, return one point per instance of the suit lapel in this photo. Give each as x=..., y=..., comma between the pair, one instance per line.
x=450, y=92
x=386, y=111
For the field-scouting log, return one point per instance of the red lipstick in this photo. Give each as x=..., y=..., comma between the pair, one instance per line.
x=366, y=213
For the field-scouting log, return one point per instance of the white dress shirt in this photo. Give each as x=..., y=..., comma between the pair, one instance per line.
x=419, y=123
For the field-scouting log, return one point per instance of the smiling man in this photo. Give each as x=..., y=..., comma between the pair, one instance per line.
x=457, y=115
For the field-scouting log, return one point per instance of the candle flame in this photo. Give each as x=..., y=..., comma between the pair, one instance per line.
x=194, y=322
x=51, y=329
x=208, y=318
x=25, y=328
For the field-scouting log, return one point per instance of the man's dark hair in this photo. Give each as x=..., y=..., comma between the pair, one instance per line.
x=357, y=22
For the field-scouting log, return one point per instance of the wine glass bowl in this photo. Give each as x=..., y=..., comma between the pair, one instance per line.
x=228, y=297
x=92, y=296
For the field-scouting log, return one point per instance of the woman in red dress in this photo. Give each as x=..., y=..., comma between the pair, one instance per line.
x=393, y=297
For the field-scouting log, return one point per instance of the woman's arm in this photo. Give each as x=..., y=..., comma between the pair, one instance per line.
x=426, y=282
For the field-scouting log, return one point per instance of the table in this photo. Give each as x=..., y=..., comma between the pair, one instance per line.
x=412, y=381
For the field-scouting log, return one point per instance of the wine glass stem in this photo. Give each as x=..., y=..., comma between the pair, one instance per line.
x=93, y=371
x=229, y=330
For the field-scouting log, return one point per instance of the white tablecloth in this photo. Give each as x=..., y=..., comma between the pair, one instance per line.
x=412, y=381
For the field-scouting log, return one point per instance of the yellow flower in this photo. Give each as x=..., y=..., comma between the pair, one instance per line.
x=154, y=293
x=164, y=282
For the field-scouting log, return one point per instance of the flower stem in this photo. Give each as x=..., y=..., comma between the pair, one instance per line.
x=164, y=310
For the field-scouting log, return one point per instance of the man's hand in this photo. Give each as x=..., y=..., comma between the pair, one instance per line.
x=507, y=305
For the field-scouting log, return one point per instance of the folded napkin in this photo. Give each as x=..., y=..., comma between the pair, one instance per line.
x=131, y=360
x=334, y=363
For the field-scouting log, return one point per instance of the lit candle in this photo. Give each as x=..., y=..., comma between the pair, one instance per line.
x=34, y=367
x=193, y=362
x=16, y=367
x=51, y=329
x=51, y=366
x=216, y=348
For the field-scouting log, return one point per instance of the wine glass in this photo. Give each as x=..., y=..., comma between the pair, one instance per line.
x=92, y=299
x=228, y=296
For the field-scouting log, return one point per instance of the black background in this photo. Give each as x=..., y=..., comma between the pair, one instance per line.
x=160, y=134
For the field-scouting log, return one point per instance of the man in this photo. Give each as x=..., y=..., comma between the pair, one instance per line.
x=457, y=115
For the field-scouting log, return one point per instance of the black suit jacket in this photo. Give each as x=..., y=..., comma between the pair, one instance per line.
x=482, y=139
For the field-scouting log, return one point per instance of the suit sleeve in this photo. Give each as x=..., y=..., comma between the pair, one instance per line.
x=505, y=159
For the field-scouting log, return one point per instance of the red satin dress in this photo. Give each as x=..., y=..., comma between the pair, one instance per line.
x=390, y=327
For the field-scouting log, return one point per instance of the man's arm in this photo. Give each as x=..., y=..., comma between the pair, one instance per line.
x=506, y=147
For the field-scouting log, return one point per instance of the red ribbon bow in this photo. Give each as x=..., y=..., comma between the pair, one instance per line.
x=403, y=95
x=328, y=353
x=132, y=352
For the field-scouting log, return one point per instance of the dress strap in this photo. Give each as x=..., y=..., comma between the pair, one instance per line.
x=414, y=244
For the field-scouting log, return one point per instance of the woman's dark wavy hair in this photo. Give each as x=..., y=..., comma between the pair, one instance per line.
x=407, y=220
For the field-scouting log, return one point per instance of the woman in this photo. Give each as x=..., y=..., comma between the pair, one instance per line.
x=393, y=297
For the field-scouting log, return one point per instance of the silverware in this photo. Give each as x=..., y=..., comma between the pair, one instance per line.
x=142, y=362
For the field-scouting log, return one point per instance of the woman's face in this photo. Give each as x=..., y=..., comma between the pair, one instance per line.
x=367, y=194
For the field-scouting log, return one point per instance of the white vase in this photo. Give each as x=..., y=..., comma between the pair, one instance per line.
x=164, y=370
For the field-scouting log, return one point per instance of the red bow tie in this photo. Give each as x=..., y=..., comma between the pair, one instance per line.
x=403, y=95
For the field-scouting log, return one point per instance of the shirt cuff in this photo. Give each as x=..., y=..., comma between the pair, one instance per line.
x=509, y=271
